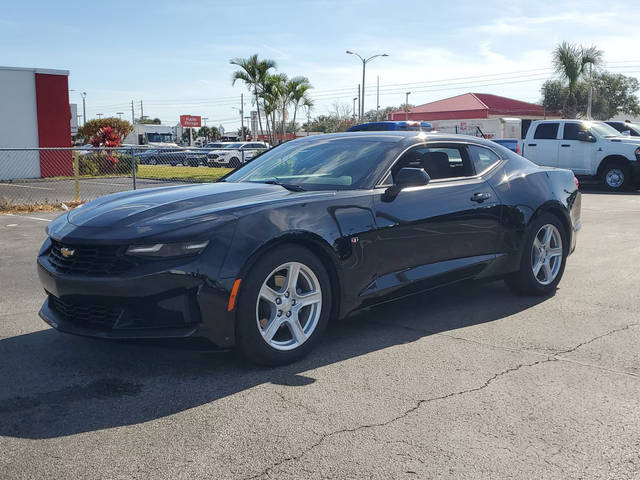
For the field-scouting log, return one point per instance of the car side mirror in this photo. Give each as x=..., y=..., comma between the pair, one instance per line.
x=626, y=133
x=586, y=136
x=406, y=177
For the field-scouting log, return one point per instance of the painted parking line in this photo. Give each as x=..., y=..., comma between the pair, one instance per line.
x=25, y=186
x=30, y=218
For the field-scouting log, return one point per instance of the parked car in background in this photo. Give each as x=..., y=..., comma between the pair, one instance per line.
x=166, y=156
x=622, y=127
x=235, y=154
x=197, y=157
x=313, y=229
x=512, y=144
x=591, y=149
x=409, y=125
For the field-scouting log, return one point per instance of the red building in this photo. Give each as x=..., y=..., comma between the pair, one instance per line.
x=34, y=112
x=472, y=105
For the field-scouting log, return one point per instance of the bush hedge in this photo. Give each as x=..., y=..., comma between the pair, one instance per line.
x=94, y=164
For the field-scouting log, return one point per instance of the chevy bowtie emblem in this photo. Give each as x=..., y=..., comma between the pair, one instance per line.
x=67, y=252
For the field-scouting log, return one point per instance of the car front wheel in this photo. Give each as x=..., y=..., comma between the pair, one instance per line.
x=284, y=306
x=543, y=257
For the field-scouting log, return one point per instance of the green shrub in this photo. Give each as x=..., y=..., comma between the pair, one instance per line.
x=95, y=164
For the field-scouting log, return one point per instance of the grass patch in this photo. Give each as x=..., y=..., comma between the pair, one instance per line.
x=190, y=174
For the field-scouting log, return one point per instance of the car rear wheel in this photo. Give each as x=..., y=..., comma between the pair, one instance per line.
x=543, y=258
x=616, y=177
x=284, y=306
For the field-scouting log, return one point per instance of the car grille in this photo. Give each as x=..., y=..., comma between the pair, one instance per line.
x=87, y=314
x=89, y=260
x=213, y=156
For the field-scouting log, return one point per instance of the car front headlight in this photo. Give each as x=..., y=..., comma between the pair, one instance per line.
x=167, y=250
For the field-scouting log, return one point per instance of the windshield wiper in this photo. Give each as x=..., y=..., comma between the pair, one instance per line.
x=289, y=186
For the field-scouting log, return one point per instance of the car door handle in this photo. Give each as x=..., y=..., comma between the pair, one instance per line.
x=565, y=145
x=532, y=145
x=480, y=197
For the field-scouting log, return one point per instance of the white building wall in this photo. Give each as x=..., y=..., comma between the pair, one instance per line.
x=18, y=124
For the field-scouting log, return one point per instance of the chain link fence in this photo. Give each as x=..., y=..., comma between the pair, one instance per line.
x=36, y=176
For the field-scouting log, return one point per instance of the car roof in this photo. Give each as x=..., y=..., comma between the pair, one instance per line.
x=400, y=137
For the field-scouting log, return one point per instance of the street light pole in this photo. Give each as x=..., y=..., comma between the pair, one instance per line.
x=364, y=64
x=120, y=114
x=354, y=107
x=406, y=106
x=99, y=115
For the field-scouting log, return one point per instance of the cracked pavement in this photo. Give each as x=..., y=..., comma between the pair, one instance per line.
x=466, y=382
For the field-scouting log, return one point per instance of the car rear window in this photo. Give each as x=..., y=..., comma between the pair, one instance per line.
x=546, y=131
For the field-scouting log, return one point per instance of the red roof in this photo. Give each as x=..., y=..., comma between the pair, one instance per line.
x=471, y=105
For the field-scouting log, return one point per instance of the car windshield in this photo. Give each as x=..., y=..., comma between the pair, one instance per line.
x=602, y=129
x=330, y=163
x=233, y=145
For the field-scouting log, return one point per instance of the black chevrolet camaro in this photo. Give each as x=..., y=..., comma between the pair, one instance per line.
x=316, y=228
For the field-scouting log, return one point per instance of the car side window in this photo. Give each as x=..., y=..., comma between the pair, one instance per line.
x=571, y=130
x=440, y=162
x=482, y=158
x=546, y=131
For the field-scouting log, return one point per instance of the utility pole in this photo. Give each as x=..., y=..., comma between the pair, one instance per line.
x=354, y=107
x=590, y=100
x=359, y=104
x=133, y=114
x=377, y=95
x=204, y=119
x=308, y=119
x=242, y=116
x=406, y=106
x=141, y=111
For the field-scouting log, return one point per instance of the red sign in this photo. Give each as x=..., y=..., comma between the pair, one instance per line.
x=190, y=121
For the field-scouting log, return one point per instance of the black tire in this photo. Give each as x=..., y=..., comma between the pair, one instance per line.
x=235, y=163
x=249, y=340
x=610, y=176
x=524, y=281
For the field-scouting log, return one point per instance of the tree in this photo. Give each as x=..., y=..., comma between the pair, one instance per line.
x=613, y=94
x=253, y=72
x=574, y=63
x=148, y=121
x=186, y=137
x=244, y=130
x=205, y=132
x=121, y=128
x=298, y=91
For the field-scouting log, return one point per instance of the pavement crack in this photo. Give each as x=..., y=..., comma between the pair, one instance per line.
x=323, y=437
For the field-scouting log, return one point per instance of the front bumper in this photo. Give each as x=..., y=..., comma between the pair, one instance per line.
x=168, y=303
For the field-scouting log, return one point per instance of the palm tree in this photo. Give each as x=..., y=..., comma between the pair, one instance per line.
x=298, y=92
x=253, y=73
x=573, y=62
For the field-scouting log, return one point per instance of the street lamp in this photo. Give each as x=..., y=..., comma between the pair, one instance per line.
x=120, y=114
x=99, y=115
x=364, y=64
x=204, y=119
x=354, y=107
x=84, y=105
x=406, y=105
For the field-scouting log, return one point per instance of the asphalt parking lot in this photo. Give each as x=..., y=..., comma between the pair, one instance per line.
x=467, y=382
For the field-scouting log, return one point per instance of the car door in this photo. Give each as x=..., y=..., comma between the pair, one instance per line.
x=575, y=153
x=542, y=149
x=444, y=231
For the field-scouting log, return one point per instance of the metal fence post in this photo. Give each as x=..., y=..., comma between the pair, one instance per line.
x=76, y=173
x=242, y=151
x=133, y=168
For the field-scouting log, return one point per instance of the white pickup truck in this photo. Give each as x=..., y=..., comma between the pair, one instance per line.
x=590, y=149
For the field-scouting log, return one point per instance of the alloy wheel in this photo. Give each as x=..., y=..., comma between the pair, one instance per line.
x=546, y=254
x=288, y=306
x=614, y=178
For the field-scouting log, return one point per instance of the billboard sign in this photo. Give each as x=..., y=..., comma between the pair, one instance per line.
x=190, y=121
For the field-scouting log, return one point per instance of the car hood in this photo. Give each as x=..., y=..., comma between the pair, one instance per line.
x=172, y=212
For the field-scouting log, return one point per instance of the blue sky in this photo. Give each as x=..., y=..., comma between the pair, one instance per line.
x=174, y=55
